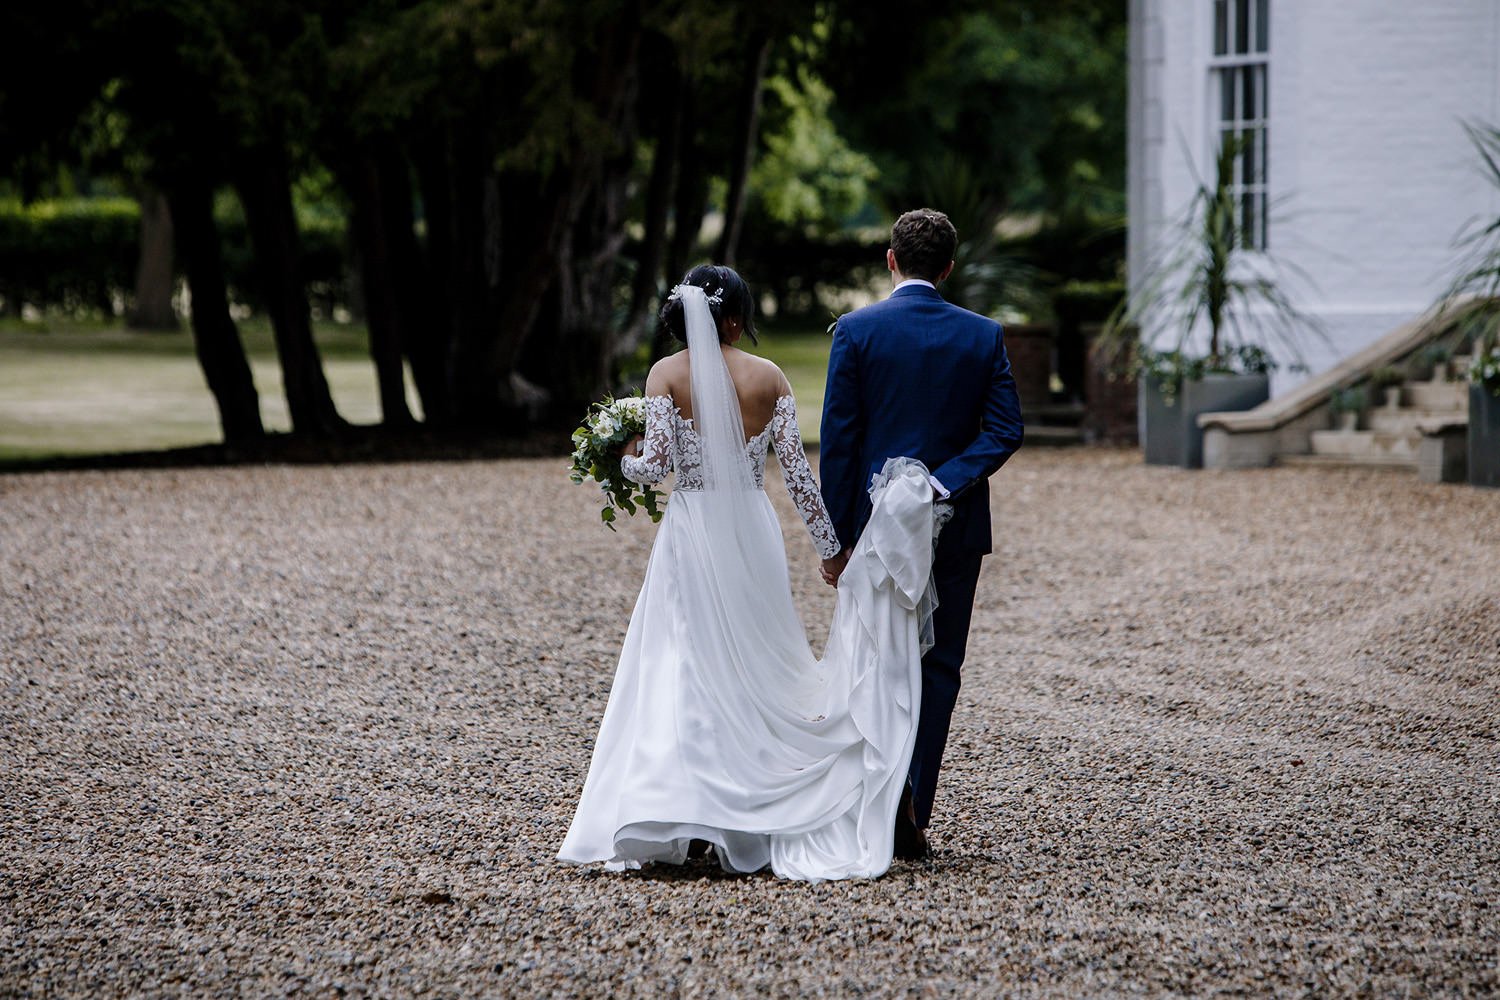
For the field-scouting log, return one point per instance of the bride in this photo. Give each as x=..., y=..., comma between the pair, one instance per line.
x=722, y=728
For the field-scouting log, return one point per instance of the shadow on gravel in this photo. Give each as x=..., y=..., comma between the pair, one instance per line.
x=941, y=864
x=352, y=445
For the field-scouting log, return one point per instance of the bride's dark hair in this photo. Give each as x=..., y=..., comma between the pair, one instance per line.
x=719, y=282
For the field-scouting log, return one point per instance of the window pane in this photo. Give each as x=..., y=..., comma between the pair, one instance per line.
x=1242, y=25
x=1221, y=27
x=1248, y=224
x=1247, y=92
x=1262, y=26
x=1226, y=95
x=1226, y=139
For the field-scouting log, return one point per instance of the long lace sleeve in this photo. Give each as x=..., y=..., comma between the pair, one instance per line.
x=787, y=440
x=655, y=462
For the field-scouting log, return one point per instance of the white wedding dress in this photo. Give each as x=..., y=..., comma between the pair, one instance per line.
x=721, y=724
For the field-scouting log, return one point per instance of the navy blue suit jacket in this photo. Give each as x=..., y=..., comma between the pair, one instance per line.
x=917, y=376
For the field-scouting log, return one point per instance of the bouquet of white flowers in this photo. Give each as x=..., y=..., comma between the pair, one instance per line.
x=596, y=455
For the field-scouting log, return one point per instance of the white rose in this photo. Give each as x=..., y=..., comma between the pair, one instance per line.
x=606, y=425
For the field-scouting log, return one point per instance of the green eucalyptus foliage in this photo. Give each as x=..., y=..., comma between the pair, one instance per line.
x=597, y=444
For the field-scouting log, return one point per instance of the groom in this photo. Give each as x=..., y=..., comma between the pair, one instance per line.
x=919, y=377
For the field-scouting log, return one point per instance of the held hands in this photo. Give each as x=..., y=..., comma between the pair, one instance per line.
x=833, y=568
x=632, y=448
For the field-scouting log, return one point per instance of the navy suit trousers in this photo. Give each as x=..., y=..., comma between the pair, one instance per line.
x=955, y=572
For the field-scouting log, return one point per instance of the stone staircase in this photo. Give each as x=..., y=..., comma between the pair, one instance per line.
x=1422, y=432
x=1391, y=435
x=1054, y=423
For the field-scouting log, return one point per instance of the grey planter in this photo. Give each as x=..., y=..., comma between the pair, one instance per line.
x=1159, y=424
x=1170, y=434
x=1484, y=437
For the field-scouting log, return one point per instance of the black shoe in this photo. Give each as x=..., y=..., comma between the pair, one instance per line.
x=697, y=849
x=911, y=842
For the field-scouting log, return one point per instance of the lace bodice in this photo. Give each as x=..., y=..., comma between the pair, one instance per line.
x=672, y=443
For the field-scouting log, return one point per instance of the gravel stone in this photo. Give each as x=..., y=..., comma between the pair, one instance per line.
x=320, y=730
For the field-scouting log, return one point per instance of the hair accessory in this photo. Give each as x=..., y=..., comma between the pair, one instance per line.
x=716, y=299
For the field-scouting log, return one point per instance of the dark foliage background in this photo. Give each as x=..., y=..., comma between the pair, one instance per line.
x=502, y=189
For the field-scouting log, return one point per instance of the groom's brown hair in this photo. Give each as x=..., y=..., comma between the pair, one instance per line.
x=923, y=241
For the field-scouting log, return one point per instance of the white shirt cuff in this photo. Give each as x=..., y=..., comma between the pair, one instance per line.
x=942, y=491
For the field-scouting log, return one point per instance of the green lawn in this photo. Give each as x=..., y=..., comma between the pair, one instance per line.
x=74, y=387
x=803, y=355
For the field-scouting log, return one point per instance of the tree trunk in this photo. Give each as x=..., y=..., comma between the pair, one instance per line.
x=265, y=190
x=640, y=321
x=379, y=281
x=422, y=341
x=745, y=142
x=547, y=209
x=154, y=279
x=215, y=337
x=688, y=205
x=569, y=351
x=437, y=252
x=573, y=339
x=463, y=232
x=691, y=196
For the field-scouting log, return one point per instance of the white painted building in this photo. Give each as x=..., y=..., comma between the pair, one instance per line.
x=1355, y=111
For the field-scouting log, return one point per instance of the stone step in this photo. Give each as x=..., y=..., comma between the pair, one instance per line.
x=1435, y=395
x=1338, y=461
x=1063, y=414
x=1406, y=420
x=1370, y=447
x=1049, y=435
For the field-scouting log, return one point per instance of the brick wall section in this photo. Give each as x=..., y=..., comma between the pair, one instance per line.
x=1110, y=402
x=1030, y=350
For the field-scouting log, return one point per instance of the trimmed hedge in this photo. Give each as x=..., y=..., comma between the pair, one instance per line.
x=75, y=255
x=79, y=255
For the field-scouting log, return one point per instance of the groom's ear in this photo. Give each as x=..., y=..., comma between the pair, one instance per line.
x=946, y=271
x=890, y=259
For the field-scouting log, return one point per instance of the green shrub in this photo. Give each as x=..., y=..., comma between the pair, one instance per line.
x=79, y=255
x=75, y=255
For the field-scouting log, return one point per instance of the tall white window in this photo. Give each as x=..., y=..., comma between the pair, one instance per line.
x=1239, y=72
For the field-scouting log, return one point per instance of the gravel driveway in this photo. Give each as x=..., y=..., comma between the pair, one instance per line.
x=320, y=730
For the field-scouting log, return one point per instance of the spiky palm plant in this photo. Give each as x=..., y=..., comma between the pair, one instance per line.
x=1207, y=276
x=1473, y=297
x=985, y=277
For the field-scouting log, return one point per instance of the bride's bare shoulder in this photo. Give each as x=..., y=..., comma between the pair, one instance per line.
x=760, y=375
x=773, y=378
x=667, y=375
